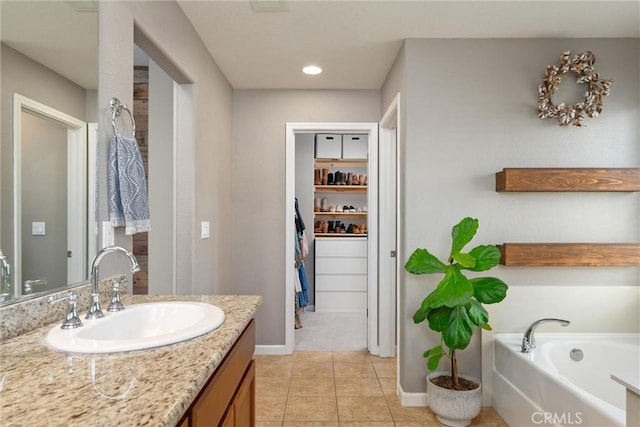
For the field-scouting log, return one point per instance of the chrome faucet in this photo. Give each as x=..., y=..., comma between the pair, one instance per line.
x=5, y=285
x=95, y=312
x=528, y=341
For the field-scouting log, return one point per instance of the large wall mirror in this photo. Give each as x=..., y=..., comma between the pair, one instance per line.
x=49, y=62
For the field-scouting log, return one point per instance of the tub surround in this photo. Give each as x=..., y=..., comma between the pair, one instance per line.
x=148, y=387
x=632, y=383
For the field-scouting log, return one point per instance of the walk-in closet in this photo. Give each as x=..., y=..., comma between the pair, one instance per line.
x=332, y=191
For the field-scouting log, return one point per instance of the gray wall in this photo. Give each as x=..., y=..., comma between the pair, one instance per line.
x=259, y=118
x=22, y=75
x=471, y=111
x=166, y=27
x=305, y=195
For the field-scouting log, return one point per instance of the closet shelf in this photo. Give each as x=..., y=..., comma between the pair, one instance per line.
x=339, y=235
x=359, y=189
x=361, y=215
x=568, y=179
x=569, y=254
x=340, y=163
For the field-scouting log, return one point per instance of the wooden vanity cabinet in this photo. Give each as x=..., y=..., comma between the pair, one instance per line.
x=228, y=398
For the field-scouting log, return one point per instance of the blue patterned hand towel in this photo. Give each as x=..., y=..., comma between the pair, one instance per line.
x=127, y=186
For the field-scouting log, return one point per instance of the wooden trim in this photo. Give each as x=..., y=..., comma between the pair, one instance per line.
x=568, y=179
x=570, y=254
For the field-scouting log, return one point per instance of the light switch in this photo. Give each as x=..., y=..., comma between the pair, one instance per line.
x=204, y=230
x=38, y=228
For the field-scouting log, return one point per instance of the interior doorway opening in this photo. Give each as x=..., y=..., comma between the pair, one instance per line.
x=334, y=302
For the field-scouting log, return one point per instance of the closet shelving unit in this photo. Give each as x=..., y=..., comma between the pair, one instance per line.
x=563, y=180
x=320, y=190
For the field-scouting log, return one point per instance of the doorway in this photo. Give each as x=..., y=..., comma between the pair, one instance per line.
x=50, y=197
x=371, y=305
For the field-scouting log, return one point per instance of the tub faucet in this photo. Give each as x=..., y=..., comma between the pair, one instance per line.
x=528, y=341
x=95, y=312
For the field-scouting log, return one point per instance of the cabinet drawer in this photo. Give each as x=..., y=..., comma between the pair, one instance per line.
x=341, y=283
x=341, y=266
x=348, y=247
x=341, y=301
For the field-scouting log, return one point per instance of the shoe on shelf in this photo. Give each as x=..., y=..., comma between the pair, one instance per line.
x=324, y=205
x=339, y=227
x=345, y=208
x=317, y=177
x=362, y=179
x=332, y=227
x=350, y=229
x=364, y=209
x=352, y=209
x=355, y=180
x=336, y=178
x=339, y=208
x=363, y=229
x=332, y=208
x=330, y=179
x=356, y=229
x=358, y=209
x=349, y=179
x=316, y=205
x=317, y=227
x=325, y=176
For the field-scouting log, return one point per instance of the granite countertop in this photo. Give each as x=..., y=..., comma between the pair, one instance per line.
x=43, y=387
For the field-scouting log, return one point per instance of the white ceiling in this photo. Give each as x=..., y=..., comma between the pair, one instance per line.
x=354, y=41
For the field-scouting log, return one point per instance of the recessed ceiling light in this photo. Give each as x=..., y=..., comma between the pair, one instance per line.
x=312, y=70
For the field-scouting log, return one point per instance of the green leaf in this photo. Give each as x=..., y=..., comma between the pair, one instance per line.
x=434, y=361
x=487, y=327
x=422, y=262
x=477, y=313
x=438, y=318
x=458, y=333
x=486, y=256
x=433, y=351
x=421, y=314
x=489, y=290
x=465, y=260
x=462, y=233
x=453, y=290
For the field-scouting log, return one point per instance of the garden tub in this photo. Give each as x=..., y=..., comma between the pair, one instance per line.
x=565, y=381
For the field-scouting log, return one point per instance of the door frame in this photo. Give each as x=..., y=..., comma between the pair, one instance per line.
x=76, y=187
x=372, y=241
x=389, y=193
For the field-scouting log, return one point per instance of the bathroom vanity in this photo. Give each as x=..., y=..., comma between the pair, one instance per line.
x=206, y=381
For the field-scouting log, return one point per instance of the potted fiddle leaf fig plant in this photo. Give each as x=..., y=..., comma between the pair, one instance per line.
x=455, y=310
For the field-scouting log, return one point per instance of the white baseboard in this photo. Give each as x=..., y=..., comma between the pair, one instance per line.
x=412, y=399
x=271, y=350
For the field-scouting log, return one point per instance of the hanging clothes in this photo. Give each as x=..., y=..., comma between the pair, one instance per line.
x=301, y=282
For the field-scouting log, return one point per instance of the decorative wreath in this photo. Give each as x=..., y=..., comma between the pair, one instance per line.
x=582, y=65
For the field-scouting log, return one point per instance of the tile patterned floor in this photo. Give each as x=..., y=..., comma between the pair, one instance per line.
x=338, y=389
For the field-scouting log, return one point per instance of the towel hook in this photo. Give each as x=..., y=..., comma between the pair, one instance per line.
x=117, y=107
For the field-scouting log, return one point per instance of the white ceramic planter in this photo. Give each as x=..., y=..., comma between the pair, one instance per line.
x=454, y=408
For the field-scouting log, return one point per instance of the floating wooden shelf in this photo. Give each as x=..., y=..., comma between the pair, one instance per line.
x=570, y=254
x=341, y=163
x=362, y=215
x=341, y=189
x=568, y=179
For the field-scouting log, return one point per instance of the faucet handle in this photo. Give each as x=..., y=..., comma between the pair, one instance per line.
x=29, y=284
x=72, y=320
x=115, y=304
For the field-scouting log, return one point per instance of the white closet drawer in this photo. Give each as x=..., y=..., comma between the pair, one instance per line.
x=341, y=301
x=341, y=266
x=341, y=283
x=345, y=247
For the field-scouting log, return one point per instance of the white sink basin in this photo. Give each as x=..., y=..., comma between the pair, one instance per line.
x=138, y=327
